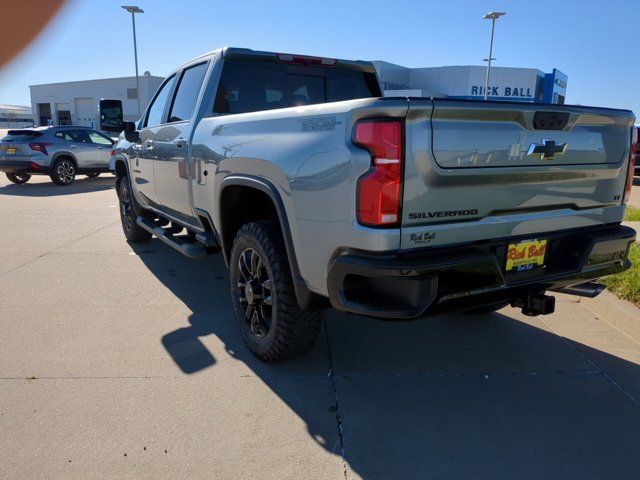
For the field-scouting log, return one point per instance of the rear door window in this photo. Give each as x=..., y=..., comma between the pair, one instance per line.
x=64, y=135
x=249, y=86
x=186, y=96
x=76, y=136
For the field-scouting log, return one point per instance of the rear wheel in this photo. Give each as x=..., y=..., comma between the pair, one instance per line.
x=271, y=323
x=18, y=178
x=132, y=231
x=93, y=175
x=64, y=171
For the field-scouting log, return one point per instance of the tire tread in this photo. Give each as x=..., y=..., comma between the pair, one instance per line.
x=295, y=329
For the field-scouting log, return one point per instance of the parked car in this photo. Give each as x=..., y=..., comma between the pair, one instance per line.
x=62, y=152
x=320, y=193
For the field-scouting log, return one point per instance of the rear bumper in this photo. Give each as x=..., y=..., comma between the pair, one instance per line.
x=22, y=166
x=410, y=284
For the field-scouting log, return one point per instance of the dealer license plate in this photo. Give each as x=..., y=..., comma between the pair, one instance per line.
x=525, y=255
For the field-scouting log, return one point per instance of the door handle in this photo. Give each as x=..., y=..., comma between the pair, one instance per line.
x=100, y=148
x=180, y=142
x=73, y=146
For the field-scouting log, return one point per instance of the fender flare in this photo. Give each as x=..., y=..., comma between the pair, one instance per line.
x=306, y=298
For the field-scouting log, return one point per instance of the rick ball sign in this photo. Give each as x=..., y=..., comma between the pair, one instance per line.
x=501, y=91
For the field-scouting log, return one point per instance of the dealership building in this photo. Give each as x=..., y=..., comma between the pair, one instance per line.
x=76, y=103
x=15, y=116
x=467, y=82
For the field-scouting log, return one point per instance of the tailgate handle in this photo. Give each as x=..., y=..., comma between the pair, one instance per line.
x=550, y=120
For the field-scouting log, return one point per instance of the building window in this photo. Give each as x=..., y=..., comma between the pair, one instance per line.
x=132, y=93
x=394, y=86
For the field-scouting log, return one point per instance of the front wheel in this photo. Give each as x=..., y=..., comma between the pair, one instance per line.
x=18, y=178
x=64, y=172
x=271, y=323
x=132, y=231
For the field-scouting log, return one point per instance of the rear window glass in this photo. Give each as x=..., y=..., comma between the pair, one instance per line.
x=187, y=93
x=249, y=86
x=21, y=135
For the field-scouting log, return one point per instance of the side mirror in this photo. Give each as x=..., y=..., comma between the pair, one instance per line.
x=111, y=119
x=130, y=132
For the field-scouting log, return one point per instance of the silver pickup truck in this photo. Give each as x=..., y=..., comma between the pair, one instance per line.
x=318, y=192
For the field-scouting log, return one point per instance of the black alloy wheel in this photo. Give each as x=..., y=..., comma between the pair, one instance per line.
x=254, y=292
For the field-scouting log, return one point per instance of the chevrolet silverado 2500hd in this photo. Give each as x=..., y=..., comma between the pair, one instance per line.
x=321, y=193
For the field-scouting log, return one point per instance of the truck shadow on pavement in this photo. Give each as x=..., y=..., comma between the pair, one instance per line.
x=450, y=397
x=49, y=189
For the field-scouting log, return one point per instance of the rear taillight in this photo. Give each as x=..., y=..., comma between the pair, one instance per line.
x=112, y=153
x=379, y=195
x=632, y=163
x=40, y=147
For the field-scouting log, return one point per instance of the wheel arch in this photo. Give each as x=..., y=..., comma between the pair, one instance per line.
x=259, y=199
x=121, y=167
x=64, y=154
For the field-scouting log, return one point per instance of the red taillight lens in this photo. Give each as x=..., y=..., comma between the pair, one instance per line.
x=112, y=153
x=380, y=189
x=39, y=147
x=632, y=163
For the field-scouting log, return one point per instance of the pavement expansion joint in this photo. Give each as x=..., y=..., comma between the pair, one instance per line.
x=337, y=405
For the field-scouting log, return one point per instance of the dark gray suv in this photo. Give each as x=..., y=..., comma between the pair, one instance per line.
x=61, y=152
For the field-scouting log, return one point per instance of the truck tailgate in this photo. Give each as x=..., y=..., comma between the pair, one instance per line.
x=481, y=170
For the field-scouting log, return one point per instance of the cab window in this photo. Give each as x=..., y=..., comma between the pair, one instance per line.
x=156, y=110
x=187, y=93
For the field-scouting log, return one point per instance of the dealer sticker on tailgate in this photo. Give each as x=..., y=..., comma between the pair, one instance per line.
x=526, y=255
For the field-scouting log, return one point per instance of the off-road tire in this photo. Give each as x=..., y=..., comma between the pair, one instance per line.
x=63, y=172
x=18, y=178
x=133, y=232
x=292, y=331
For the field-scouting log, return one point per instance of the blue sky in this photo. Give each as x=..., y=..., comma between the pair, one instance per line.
x=593, y=42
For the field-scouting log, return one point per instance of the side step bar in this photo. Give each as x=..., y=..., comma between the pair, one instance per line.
x=190, y=249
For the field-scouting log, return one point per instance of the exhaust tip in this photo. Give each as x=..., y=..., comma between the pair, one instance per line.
x=589, y=289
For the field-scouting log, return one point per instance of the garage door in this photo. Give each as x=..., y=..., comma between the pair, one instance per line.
x=85, y=112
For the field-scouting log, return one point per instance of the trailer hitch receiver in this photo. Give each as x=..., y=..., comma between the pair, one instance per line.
x=535, y=304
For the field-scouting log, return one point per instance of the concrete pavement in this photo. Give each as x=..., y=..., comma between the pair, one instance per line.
x=121, y=362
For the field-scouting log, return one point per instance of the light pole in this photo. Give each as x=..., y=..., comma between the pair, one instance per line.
x=490, y=16
x=133, y=10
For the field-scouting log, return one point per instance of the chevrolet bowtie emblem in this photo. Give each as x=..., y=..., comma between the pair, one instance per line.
x=548, y=149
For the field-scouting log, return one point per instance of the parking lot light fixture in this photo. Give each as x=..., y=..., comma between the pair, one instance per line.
x=132, y=9
x=490, y=16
